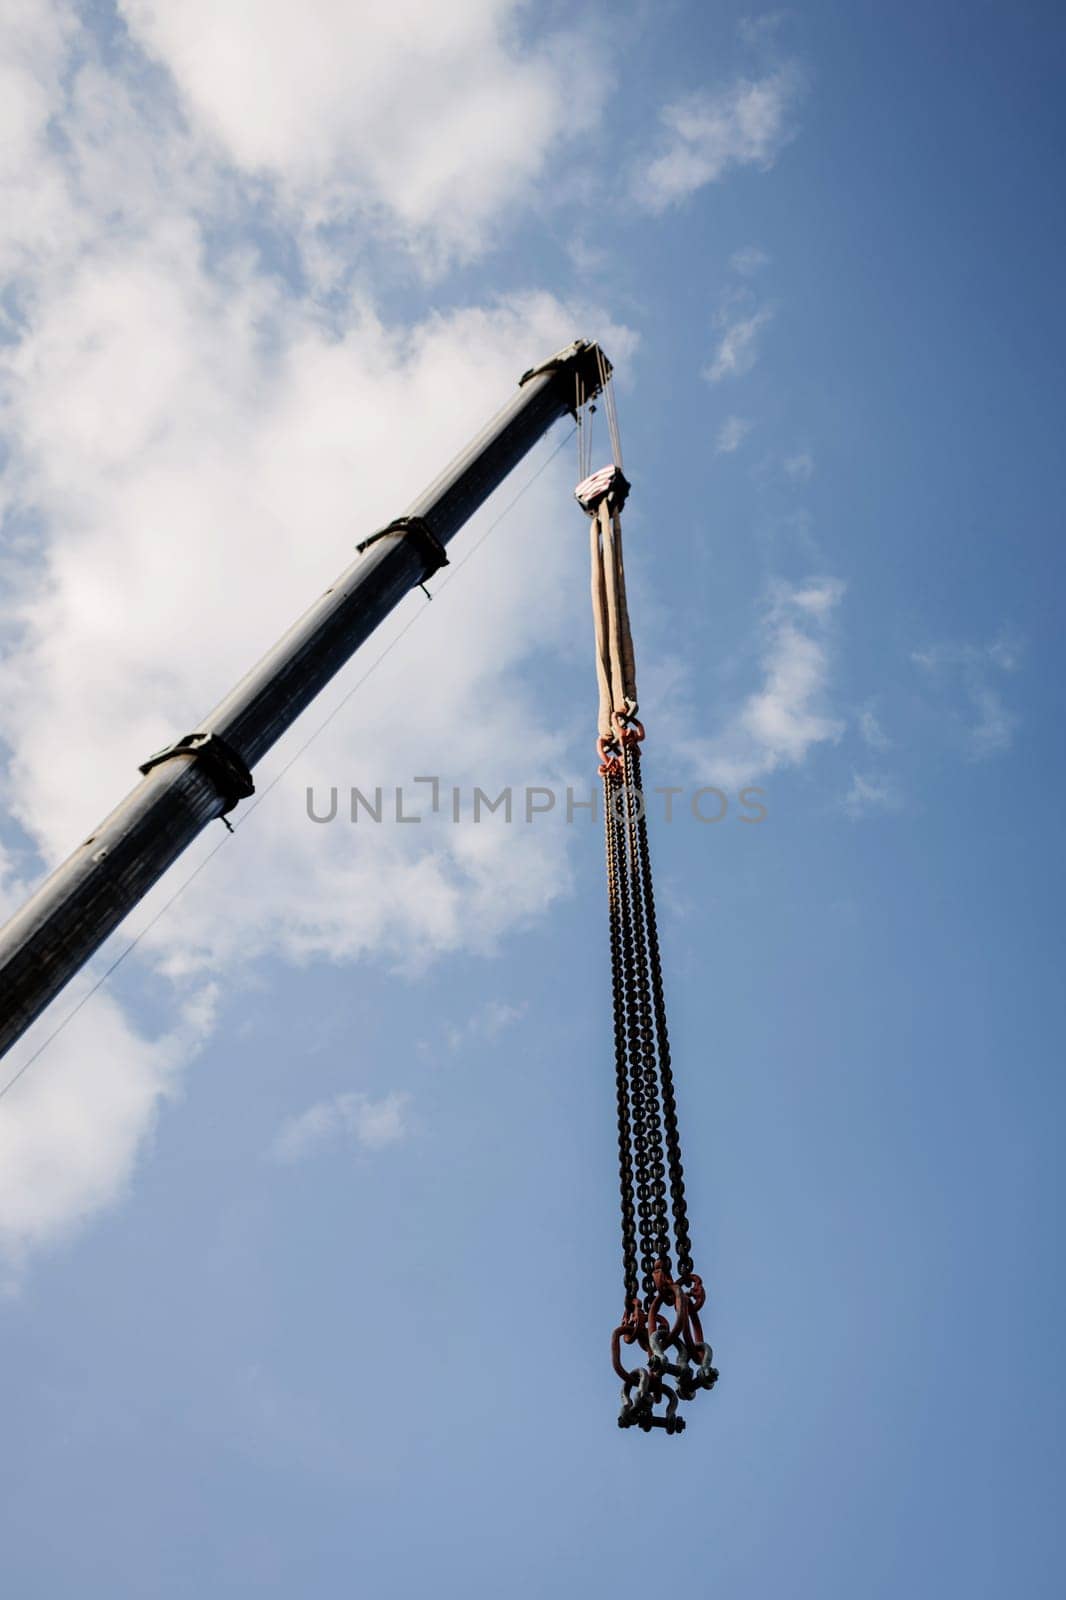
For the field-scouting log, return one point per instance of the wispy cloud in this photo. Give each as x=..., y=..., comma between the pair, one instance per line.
x=750, y=260
x=346, y=1119
x=787, y=716
x=486, y=1023
x=993, y=730
x=731, y=435
x=800, y=467
x=871, y=730
x=739, y=325
x=871, y=792
x=970, y=672
x=1005, y=652
x=708, y=134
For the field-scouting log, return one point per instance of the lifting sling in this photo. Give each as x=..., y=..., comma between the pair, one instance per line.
x=663, y=1296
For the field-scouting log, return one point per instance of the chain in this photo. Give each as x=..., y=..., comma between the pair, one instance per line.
x=661, y=1309
x=677, y=1360
x=634, y=1043
x=666, y=1075
x=625, y=1152
x=652, y=1127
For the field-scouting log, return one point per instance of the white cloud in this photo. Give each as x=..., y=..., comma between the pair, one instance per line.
x=800, y=467
x=431, y=118
x=71, y=1127
x=749, y=260
x=486, y=1023
x=351, y=1118
x=709, y=134
x=969, y=672
x=34, y=37
x=731, y=435
x=739, y=328
x=781, y=722
x=1005, y=652
x=871, y=730
x=12, y=888
x=588, y=260
x=992, y=731
x=870, y=792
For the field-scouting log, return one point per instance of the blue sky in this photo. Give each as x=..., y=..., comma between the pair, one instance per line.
x=308, y=1233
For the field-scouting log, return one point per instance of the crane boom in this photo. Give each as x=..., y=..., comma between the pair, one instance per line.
x=204, y=774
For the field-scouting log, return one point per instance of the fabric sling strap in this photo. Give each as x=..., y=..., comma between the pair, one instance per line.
x=615, y=668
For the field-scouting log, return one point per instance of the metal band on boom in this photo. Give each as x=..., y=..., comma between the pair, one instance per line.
x=422, y=537
x=221, y=762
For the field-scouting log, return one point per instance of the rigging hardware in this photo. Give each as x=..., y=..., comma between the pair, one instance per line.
x=651, y=1174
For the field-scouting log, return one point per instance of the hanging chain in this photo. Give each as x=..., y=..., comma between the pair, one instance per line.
x=632, y=1039
x=666, y=1074
x=661, y=1304
x=652, y=1131
x=618, y=995
x=647, y=1121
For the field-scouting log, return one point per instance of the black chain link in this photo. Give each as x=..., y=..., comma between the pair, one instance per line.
x=653, y=1126
x=647, y=1103
x=666, y=1075
x=634, y=1043
x=625, y=1152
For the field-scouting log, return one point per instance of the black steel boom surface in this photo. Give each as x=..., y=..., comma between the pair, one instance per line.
x=204, y=775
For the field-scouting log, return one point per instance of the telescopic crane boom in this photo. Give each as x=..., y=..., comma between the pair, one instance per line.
x=205, y=774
